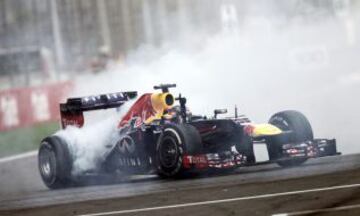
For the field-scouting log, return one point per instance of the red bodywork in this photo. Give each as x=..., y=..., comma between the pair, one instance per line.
x=75, y=119
x=141, y=110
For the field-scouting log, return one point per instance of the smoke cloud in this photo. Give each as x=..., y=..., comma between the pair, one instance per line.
x=263, y=66
x=89, y=145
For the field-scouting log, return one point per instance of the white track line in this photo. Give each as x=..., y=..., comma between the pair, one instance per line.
x=262, y=196
x=18, y=156
x=341, y=208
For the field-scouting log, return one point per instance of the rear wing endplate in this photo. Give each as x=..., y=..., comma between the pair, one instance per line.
x=72, y=111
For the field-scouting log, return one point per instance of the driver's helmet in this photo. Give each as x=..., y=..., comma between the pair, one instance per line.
x=175, y=111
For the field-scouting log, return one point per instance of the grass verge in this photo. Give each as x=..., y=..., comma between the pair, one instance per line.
x=25, y=139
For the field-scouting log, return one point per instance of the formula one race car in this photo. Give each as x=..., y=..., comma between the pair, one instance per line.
x=156, y=136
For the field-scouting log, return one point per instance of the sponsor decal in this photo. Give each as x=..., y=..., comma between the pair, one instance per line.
x=9, y=111
x=126, y=145
x=40, y=106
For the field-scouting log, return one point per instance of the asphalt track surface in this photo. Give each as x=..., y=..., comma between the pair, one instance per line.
x=323, y=186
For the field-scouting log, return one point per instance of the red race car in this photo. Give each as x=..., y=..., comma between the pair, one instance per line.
x=157, y=136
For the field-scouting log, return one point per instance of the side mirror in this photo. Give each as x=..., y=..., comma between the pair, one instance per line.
x=219, y=111
x=182, y=102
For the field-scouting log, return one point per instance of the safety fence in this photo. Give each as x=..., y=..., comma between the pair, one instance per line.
x=22, y=107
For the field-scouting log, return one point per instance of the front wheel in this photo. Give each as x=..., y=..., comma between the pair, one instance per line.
x=301, y=131
x=174, y=142
x=55, y=163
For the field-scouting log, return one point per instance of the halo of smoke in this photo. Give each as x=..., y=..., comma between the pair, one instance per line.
x=87, y=145
x=90, y=144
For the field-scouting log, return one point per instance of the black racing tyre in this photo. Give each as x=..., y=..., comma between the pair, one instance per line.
x=55, y=163
x=173, y=143
x=296, y=122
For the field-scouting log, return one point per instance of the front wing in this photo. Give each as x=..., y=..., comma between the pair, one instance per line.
x=310, y=149
x=230, y=159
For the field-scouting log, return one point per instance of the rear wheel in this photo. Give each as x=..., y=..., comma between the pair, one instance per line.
x=300, y=127
x=173, y=143
x=55, y=163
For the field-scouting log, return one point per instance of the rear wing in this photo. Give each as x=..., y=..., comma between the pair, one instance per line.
x=71, y=112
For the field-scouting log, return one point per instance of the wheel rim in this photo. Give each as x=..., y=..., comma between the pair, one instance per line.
x=47, y=163
x=168, y=152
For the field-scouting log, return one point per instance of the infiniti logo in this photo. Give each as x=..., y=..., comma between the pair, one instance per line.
x=126, y=145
